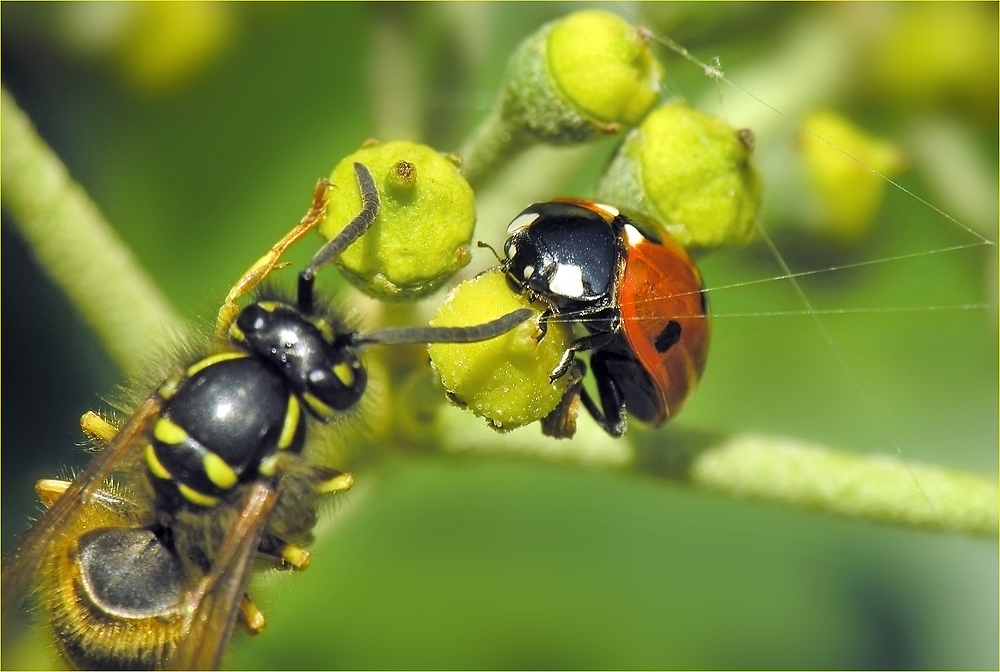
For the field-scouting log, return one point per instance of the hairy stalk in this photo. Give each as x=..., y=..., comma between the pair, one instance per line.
x=880, y=488
x=78, y=248
x=494, y=142
x=773, y=470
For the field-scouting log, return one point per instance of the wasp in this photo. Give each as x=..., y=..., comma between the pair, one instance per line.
x=144, y=558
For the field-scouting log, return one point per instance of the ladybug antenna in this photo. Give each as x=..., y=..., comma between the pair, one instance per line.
x=357, y=227
x=480, y=243
x=473, y=334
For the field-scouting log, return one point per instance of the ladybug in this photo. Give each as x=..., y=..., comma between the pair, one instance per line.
x=640, y=300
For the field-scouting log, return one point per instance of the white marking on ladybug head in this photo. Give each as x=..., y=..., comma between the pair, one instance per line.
x=567, y=281
x=522, y=221
x=511, y=251
x=528, y=271
x=608, y=209
x=632, y=236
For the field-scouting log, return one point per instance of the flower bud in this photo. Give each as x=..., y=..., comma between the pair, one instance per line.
x=504, y=380
x=425, y=224
x=587, y=75
x=929, y=54
x=689, y=174
x=603, y=68
x=839, y=159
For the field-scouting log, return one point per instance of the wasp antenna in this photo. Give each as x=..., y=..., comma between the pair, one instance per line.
x=473, y=334
x=357, y=227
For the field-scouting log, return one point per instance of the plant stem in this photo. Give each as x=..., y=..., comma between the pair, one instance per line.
x=494, y=142
x=870, y=487
x=773, y=470
x=396, y=92
x=78, y=248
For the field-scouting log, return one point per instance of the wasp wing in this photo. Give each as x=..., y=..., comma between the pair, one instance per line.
x=215, y=604
x=21, y=562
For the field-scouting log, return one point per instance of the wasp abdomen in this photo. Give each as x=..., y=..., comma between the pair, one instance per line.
x=218, y=426
x=140, y=594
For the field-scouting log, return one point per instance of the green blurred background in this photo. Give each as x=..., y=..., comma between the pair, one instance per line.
x=200, y=130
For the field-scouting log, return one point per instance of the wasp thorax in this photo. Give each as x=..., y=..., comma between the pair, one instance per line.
x=309, y=351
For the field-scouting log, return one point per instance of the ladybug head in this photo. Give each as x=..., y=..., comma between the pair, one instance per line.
x=564, y=253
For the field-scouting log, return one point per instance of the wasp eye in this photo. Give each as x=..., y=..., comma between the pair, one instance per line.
x=253, y=318
x=319, y=378
x=337, y=384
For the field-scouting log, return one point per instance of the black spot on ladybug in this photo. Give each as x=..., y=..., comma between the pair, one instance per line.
x=668, y=337
x=704, y=303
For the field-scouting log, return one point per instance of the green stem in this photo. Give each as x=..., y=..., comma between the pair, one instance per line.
x=494, y=142
x=772, y=470
x=78, y=248
x=396, y=91
x=879, y=488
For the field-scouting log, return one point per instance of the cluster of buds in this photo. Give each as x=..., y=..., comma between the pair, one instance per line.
x=588, y=75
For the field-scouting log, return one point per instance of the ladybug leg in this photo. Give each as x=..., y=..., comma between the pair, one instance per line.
x=614, y=418
x=603, y=319
x=561, y=422
x=543, y=323
x=588, y=342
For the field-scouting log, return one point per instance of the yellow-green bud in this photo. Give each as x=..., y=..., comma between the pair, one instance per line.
x=504, y=380
x=164, y=46
x=587, y=75
x=848, y=194
x=401, y=180
x=603, y=67
x=422, y=235
x=580, y=77
x=690, y=174
x=938, y=52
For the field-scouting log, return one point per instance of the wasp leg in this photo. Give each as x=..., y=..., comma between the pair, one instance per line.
x=614, y=418
x=269, y=262
x=324, y=481
x=295, y=557
x=97, y=429
x=49, y=490
x=333, y=481
x=251, y=618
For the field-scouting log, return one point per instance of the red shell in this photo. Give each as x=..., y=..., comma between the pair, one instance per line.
x=661, y=284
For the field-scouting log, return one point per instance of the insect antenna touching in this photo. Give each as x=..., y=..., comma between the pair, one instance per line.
x=357, y=227
x=336, y=245
x=473, y=334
